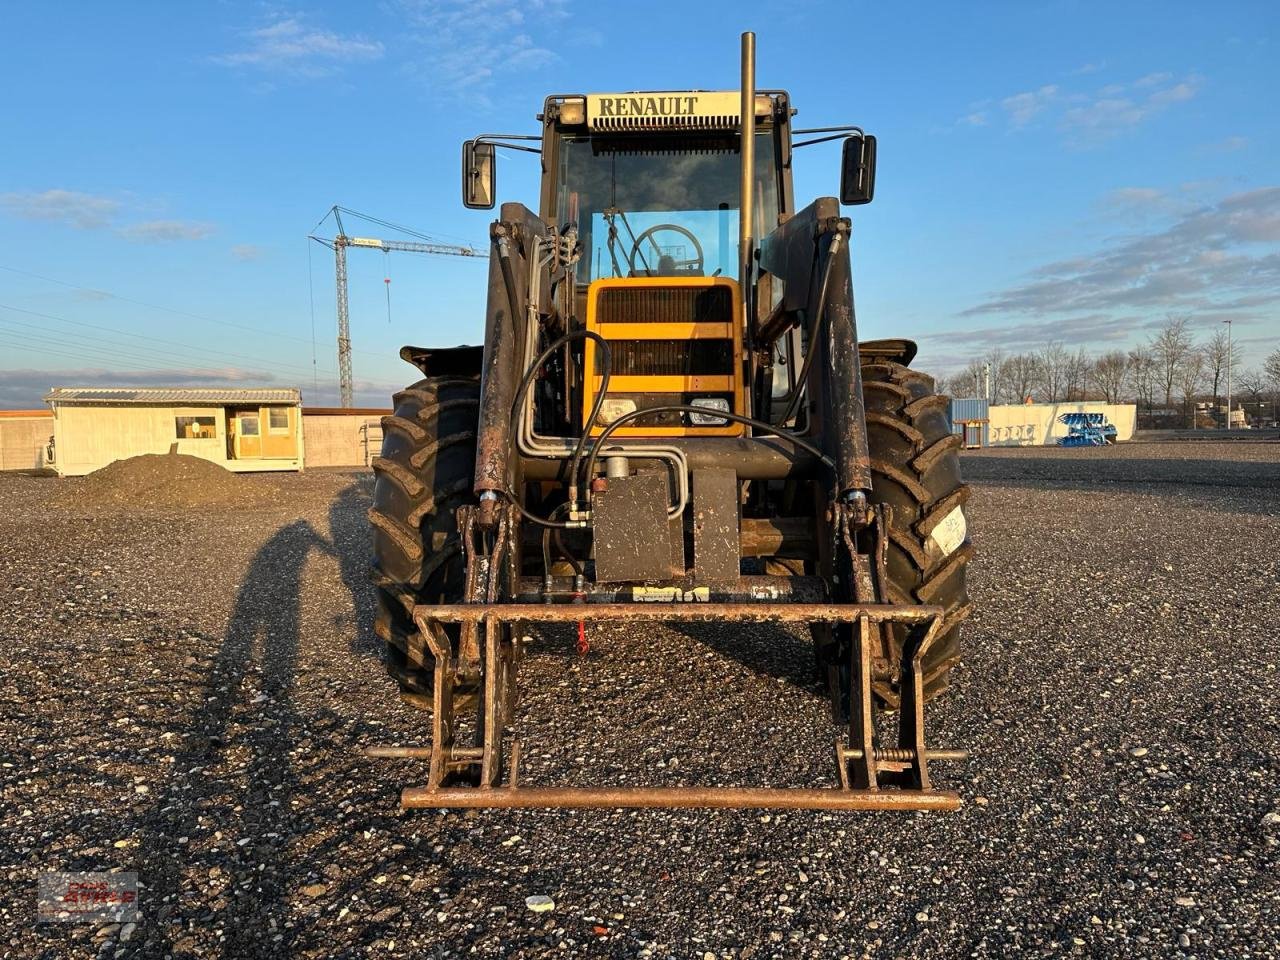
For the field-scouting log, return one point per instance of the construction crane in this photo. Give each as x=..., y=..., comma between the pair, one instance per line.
x=339, y=244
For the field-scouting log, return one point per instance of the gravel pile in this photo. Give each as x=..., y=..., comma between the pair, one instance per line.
x=187, y=700
x=166, y=480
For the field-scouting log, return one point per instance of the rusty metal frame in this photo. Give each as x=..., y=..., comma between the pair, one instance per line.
x=871, y=776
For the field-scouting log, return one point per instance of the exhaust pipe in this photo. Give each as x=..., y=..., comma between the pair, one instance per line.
x=746, y=204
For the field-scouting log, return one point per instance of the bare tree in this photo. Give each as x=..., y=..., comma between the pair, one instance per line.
x=1051, y=362
x=1110, y=371
x=1076, y=375
x=1218, y=352
x=994, y=363
x=969, y=381
x=1018, y=377
x=1191, y=376
x=957, y=385
x=1169, y=348
x=1253, y=383
x=1142, y=368
x=1271, y=367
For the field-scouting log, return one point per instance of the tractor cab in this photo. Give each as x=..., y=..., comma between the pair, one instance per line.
x=650, y=185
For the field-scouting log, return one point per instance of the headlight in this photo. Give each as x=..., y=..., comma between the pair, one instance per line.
x=613, y=408
x=573, y=111
x=709, y=403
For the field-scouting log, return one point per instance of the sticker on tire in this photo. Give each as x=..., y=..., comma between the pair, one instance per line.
x=949, y=534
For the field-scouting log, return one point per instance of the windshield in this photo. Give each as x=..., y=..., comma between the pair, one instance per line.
x=662, y=205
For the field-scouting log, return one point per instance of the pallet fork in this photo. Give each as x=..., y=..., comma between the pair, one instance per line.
x=482, y=671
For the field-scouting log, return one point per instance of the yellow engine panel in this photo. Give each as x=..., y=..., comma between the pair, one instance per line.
x=675, y=322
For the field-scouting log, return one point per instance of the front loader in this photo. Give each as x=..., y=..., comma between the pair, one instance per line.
x=671, y=419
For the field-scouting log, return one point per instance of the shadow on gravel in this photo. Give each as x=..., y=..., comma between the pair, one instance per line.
x=353, y=548
x=764, y=649
x=235, y=774
x=1236, y=486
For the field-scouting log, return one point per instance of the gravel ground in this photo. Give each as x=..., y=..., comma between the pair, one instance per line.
x=186, y=692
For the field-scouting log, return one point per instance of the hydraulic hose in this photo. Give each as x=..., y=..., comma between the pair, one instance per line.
x=532, y=518
x=547, y=535
x=606, y=355
x=718, y=414
x=815, y=328
x=513, y=303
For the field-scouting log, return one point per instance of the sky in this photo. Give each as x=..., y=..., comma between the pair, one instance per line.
x=1061, y=171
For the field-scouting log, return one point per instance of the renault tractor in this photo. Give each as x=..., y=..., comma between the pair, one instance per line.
x=671, y=419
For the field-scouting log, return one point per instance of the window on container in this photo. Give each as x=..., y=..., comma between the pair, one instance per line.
x=249, y=426
x=277, y=420
x=195, y=428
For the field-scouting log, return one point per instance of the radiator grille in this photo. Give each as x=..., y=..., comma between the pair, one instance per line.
x=665, y=305
x=651, y=358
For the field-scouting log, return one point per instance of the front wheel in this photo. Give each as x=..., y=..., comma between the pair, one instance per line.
x=915, y=464
x=426, y=472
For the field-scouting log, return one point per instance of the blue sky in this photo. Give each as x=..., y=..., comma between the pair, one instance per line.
x=1062, y=170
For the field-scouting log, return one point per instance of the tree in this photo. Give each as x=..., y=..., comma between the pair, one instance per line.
x=1109, y=374
x=1018, y=376
x=1271, y=366
x=1142, y=369
x=957, y=385
x=1076, y=372
x=1191, y=378
x=969, y=381
x=1051, y=364
x=1218, y=353
x=1253, y=383
x=1169, y=349
x=994, y=362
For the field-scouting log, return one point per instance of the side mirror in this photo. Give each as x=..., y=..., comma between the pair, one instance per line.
x=858, y=169
x=479, y=175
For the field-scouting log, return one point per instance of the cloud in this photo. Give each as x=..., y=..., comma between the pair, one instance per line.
x=288, y=45
x=83, y=210
x=1022, y=108
x=86, y=211
x=468, y=43
x=166, y=231
x=1134, y=196
x=1230, y=145
x=1119, y=108
x=1139, y=204
x=24, y=389
x=1087, y=118
x=1030, y=335
x=1218, y=257
x=246, y=252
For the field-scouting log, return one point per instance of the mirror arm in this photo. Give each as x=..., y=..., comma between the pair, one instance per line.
x=839, y=134
x=500, y=140
x=806, y=143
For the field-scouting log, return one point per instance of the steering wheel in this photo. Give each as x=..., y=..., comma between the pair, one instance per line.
x=695, y=265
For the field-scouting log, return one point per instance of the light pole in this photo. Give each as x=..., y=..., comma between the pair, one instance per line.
x=1228, y=323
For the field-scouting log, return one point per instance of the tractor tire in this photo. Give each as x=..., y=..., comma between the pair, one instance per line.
x=915, y=464
x=425, y=473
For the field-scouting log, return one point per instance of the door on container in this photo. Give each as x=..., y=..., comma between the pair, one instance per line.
x=248, y=435
x=279, y=432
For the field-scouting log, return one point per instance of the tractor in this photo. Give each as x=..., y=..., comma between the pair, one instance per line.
x=671, y=419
